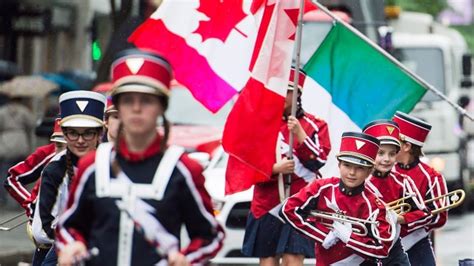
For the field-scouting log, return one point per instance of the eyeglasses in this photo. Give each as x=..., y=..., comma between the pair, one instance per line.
x=74, y=135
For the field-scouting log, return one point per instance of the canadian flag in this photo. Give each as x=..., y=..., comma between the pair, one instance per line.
x=251, y=130
x=218, y=47
x=209, y=44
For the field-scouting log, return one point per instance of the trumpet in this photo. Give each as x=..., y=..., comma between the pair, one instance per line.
x=453, y=198
x=11, y=219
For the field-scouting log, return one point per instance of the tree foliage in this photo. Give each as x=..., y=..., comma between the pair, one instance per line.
x=468, y=33
x=432, y=7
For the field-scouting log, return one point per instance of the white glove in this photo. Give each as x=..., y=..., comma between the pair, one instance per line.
x=392, y=217
x=330, y=240
x=342, y=231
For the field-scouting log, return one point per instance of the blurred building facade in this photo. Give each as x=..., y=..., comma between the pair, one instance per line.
x=52, y=36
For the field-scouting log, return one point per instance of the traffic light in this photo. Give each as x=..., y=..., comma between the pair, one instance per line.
x=96, y=51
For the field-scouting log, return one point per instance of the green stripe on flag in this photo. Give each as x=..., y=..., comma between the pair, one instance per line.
x=363, y=83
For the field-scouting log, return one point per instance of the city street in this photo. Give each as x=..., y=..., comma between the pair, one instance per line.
x=453, y=243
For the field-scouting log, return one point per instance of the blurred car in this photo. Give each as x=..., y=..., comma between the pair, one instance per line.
x=231, y=211
x=193, y=126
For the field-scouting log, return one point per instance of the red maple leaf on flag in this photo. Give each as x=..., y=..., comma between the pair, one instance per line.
x=223, y=16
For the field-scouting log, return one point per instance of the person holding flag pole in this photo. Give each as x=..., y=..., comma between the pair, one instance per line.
x=299, y=31
x=301, y=150
x=266, y=236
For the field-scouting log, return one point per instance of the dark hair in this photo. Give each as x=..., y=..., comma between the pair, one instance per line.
x=69, y=166
x=299, y=106
x=115, y=165
x=415, y=150
x=166, y=127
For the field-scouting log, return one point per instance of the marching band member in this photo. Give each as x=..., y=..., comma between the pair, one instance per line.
x=390, y=186
x=29, y=171
x=82, y=115
x=130, y=201
x=337, y=242
x=430, y=184
x=266, y=236
x=111, y=121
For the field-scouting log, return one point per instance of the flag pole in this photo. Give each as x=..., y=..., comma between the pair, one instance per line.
x=420, y=80
x=297, y=52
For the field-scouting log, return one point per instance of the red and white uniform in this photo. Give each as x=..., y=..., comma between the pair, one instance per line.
x=393, y=186
x=329, y=195
x=113, y=212
x=27, y=172
x=430, y=184
x=309, y=157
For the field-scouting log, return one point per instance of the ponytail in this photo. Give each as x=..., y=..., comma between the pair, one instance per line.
x=69, y=166
x=166, y=127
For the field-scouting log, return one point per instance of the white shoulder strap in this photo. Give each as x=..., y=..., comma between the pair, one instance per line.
x=165, y=169
x=102, y=169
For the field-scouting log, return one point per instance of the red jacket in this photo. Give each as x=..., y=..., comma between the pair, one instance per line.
x=27, y=172
x=309, y=157
x=394, y=186
x=431, y=184
x=357, y=203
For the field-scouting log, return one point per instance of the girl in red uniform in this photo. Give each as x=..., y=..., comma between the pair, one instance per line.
x=266, y=236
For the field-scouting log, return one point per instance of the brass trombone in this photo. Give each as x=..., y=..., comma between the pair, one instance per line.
x=13, y=218
x=399, y=206
x=453, y=198
x=359, y=226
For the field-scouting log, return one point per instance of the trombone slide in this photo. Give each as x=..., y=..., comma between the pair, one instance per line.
x=11, y=219
x=450, y=200
x=358, y=225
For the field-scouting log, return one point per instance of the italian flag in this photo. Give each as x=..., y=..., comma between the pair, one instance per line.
x=351, y=84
